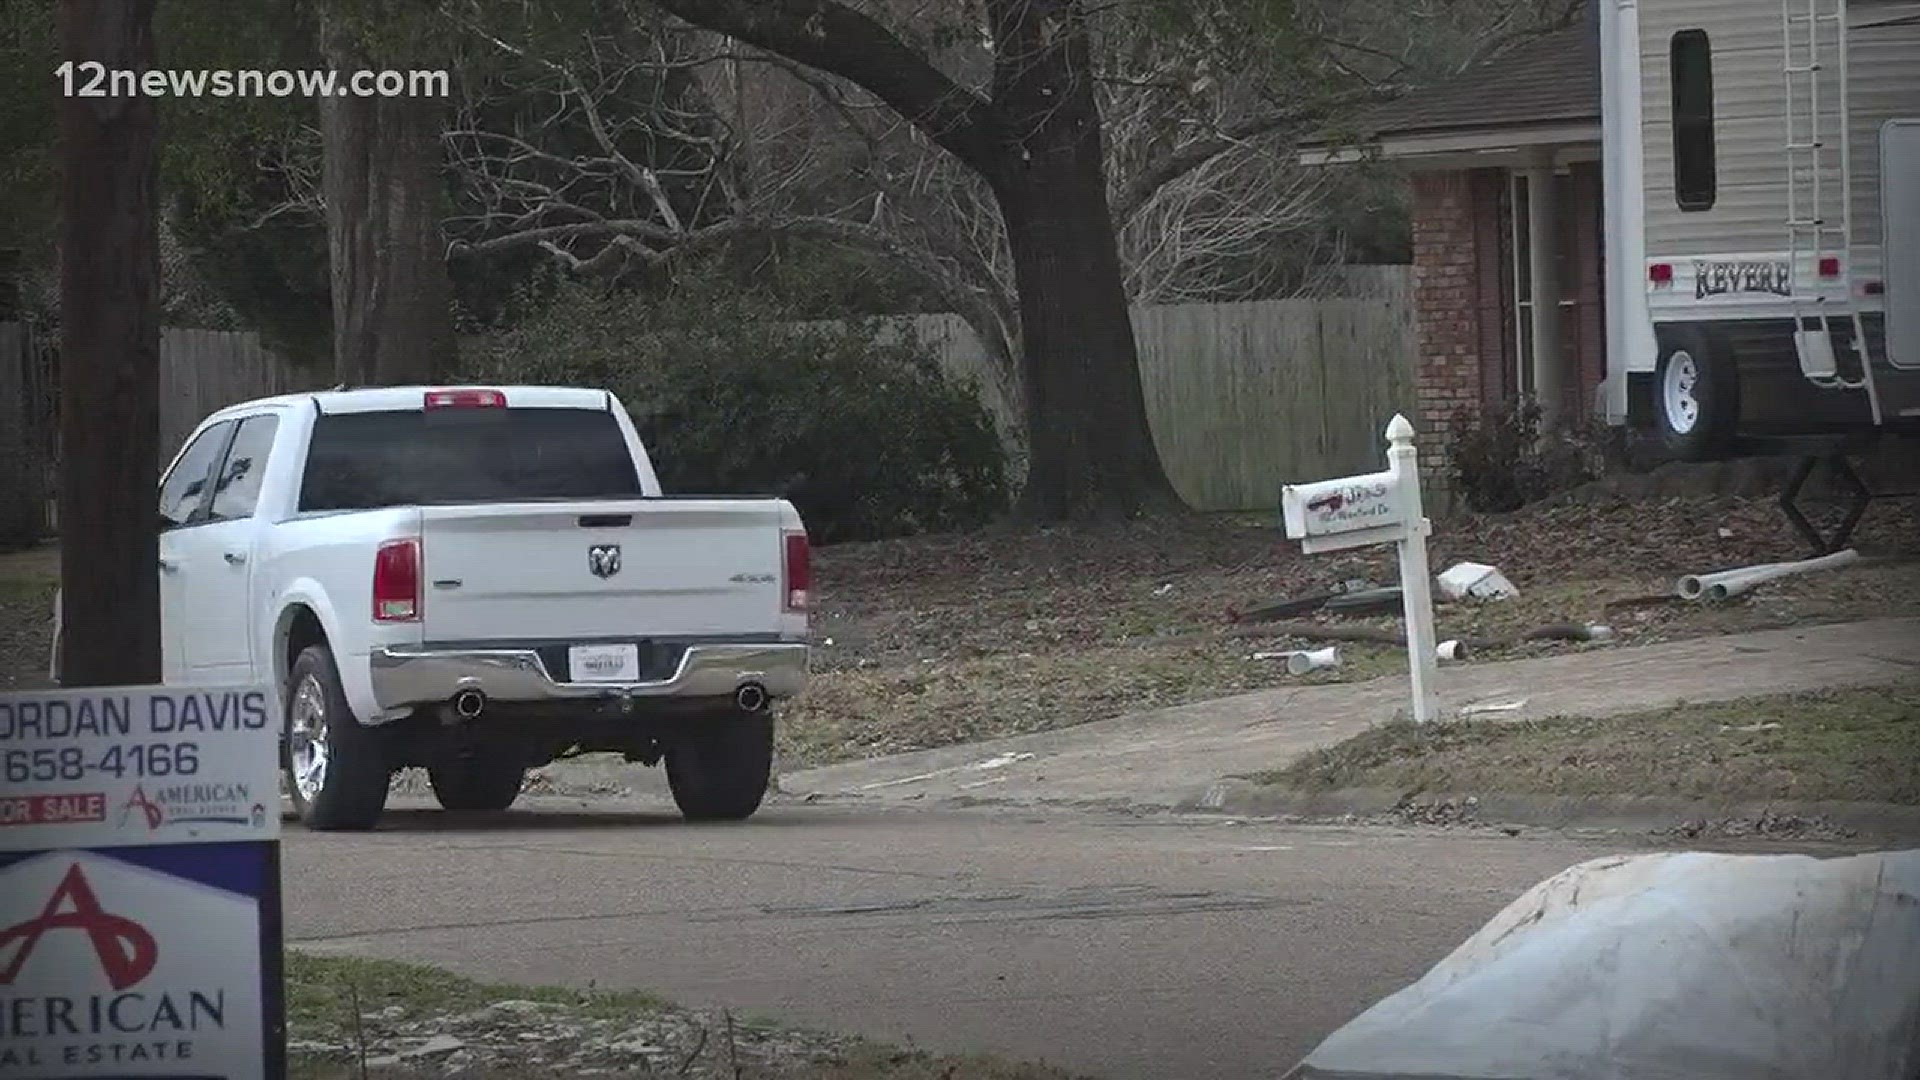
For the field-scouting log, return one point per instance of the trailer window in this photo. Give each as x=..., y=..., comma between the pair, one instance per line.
x=1695, y=172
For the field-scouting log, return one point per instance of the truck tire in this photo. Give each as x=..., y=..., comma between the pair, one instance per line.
x=337, y=769
x=720, y=772
x=484, y=783
x=1696, y=395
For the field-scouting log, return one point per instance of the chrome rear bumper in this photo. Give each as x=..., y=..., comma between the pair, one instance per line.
x=405, y=678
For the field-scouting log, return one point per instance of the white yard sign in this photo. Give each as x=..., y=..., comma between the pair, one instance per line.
x=139, y=884
x=1379, y=508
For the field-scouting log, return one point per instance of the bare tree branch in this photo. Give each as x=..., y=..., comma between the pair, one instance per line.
x=834, y=38
x=1140, y=187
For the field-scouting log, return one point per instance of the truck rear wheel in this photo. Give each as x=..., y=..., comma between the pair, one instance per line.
x=486, y=782
x=337, y=769
x=720, y=772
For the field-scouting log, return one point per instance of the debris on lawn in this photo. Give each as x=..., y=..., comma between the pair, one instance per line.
x=1356, y=596
x=1301, y=663
x=1476, y=581
x=1727, y=584
x=1483, y=708
x=1453, y=649
x=1365, y=602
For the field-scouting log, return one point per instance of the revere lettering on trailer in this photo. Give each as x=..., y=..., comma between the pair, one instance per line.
x=1723, y=278
x=140, y=885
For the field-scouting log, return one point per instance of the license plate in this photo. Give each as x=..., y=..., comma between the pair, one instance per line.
x=604, y=663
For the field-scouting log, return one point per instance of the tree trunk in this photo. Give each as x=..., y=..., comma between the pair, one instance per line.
x=109, y=359
x=1091, y=447
x=392, y=297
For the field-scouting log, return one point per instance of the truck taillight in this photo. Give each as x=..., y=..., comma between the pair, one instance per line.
x=799, y=571
x=465, y=399
x=396, y=581
x=1661, y=275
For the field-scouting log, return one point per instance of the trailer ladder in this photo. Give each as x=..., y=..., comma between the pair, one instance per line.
x=1812, y=222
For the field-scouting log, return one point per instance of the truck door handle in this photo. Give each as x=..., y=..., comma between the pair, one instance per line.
x=235, y=558
x=169, y=565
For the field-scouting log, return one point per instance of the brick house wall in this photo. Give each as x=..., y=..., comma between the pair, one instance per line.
x=1464, y=305
x=1459, y=301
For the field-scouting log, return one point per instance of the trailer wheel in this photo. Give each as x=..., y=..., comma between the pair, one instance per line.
x=1696, y=396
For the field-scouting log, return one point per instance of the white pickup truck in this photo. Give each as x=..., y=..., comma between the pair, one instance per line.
x=478, y=582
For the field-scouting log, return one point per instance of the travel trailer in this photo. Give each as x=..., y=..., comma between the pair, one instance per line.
x=1762, y=177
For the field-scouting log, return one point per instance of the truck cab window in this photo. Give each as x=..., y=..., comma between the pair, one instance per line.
x=1695, y=168
x=246, y=463
x=365, y=460
x=184, y=490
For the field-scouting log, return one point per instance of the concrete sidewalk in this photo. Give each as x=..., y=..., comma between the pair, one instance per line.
x=1174, y=757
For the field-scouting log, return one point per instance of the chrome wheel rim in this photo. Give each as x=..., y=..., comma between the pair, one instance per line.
x=1677, y=391
x=307, y=738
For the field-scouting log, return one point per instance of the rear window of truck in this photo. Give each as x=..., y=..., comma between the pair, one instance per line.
x=368, y=460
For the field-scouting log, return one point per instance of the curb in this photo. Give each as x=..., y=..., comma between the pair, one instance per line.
x=1619, y=813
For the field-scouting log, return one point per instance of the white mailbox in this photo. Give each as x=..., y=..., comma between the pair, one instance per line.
x=1349, y=512
x=1378, y=508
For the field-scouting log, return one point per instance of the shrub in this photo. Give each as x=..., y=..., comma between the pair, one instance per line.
x=1502, y=462
x=867, y=437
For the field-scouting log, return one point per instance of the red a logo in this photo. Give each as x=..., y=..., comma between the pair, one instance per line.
x=126, y=950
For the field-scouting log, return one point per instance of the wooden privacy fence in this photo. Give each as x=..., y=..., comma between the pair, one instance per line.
x=26, y=437
x=200, y=371
x=1245, y=397
x=1242, y=397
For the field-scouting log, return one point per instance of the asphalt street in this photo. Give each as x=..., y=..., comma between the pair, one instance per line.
x=1120, y=946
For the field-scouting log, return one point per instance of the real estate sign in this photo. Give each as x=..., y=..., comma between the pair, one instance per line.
x=140, y=885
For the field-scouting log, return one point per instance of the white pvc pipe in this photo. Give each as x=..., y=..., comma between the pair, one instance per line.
x=1730, y=583
x=1301, y=663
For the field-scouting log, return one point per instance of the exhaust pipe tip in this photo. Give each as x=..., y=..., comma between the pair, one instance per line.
x=751, y=698
x=469, y=703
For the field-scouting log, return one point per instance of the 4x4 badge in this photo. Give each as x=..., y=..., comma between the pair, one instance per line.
x=604, y=560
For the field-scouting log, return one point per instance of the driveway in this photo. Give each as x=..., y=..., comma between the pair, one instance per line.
x=1173, y=757
x=1122, y=946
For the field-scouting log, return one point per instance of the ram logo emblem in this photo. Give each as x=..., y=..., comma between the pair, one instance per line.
x=604, y=560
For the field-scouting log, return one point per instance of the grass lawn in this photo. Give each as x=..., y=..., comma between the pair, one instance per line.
x=341, y=1010
x=1854, y=745
x=937, y=640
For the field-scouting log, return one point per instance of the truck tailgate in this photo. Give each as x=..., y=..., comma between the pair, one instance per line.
x=625, y=570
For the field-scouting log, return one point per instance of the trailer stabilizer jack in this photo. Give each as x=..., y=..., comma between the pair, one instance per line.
x=1856, y=496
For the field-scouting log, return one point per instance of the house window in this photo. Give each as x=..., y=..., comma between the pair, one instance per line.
x=1517, y=247
x=1695, y=171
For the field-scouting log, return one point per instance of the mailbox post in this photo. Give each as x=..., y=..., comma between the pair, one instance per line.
x=1379, y=508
